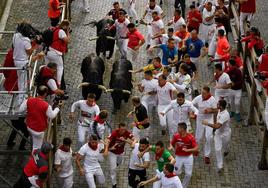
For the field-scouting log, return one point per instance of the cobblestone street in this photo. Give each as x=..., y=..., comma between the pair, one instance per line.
x=240, y=165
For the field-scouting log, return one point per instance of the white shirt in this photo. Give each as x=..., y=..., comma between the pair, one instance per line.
x=182, y=83
x=164, y=94
x=87, y=112
x=21, y=44
x=149, y=85
x=177, y=25
x=150, y=11
x=173, y=182
x=121, y=28
x=204, y=104
x=51, y=83
x=181, y=112
x=223, y=80
x=62, y=35
x=224, y=119
x=206, y=14
x=50, y=113
x=91, y=160
x=165, y=38
x=157, y=26
x=64, y=159
x=135, y=159
x=100, y=128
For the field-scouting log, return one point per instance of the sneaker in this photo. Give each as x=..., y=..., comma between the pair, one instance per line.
x=163, y=132
x=248, y=24
x=114, y=186
x=207, y=160
x=238, y=117
x=232, y=114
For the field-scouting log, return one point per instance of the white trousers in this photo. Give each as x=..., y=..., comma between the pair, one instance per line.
x=244, y=16
x=148, y=104
x=222, y=141
x=85, y=4
x=200, y=129
x=98, y=174
x=167, y=119
x=149, y=34
x=132, y=55
x=204, y=31
x=22, y=79
x=132, y=12
x=114, y=161
x=157, y=184
x=222, y=95
x=37, y=138
x=122, y=46
x=52, y=56
x=65, y=182
x=212, y=48
x=235, y=99
x=82, y=134
x=140, y=133
x=187, y=162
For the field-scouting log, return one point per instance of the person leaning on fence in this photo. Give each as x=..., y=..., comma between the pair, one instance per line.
x=58, y=47
x=63, y=164
x=35, y=172
x=38, y=112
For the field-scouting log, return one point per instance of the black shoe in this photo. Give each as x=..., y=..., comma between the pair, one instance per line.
x=148, y=46
x=114, y=186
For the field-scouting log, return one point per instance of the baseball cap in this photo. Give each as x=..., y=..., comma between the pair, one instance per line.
x=46, y=147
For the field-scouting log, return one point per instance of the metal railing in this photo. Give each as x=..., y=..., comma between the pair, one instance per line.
x=256, y=110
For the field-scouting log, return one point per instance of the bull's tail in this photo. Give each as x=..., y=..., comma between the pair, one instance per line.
x=92, y=23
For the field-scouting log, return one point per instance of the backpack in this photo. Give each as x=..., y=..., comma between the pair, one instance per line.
x=48, y=36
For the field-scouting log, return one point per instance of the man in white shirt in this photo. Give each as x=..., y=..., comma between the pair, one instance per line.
x=164, y=97
x=131, y=11
x=206, y=27
x=121, y=33
x=88, y=110
x=223, y=133
x=168, y=178
x=223, y=83
x=63, y=164
x=206, y=105
x=168, y=35
x=148, y=88
x=177, y=21
x=150, y=8
x=91, y=169
x=183, y=110
x=138, y=165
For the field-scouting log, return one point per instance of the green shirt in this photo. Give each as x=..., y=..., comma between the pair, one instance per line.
x=163, y=159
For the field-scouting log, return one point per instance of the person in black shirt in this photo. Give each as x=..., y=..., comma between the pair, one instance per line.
x=141, y=121
x=115, y=11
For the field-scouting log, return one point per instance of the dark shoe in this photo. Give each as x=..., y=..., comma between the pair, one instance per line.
x=148, y=46
x=163, y=132
x=207, y=160
x=114, y=186
x=225, y=154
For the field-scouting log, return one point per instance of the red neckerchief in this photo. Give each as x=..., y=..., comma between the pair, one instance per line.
x=121, y=20
x=176, y=18
x=156, y=19
x=92, y=147
x=171, y=175
x=99, y=120
x=157, y=67
x=208, y=97
x=158, y=156
x=217, y=76
x=62, y=148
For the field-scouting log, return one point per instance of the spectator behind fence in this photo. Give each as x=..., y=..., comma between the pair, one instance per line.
x=35, y=171
x=58, y=47
x=262, y=71
x=38, y=112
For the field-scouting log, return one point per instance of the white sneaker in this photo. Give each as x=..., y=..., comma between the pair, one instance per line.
x=86, y=10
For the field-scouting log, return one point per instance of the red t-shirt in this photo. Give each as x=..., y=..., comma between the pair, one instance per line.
x=179, y=143
x=134, y=38
x=248, y=7
x=115, y=139
x=194, y=14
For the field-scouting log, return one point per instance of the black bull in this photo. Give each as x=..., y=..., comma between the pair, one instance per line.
x=104, y=44
x=92, y=70
x=121, y=79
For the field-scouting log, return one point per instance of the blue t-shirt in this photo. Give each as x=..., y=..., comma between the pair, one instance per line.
x=193, y=47
x=168, y=53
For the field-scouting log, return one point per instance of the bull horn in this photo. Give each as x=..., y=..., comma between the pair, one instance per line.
x=83, y=84
x=109, y=90
x=126, y=91
x=93, y=38
x=102, y=87
x=111, y=38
